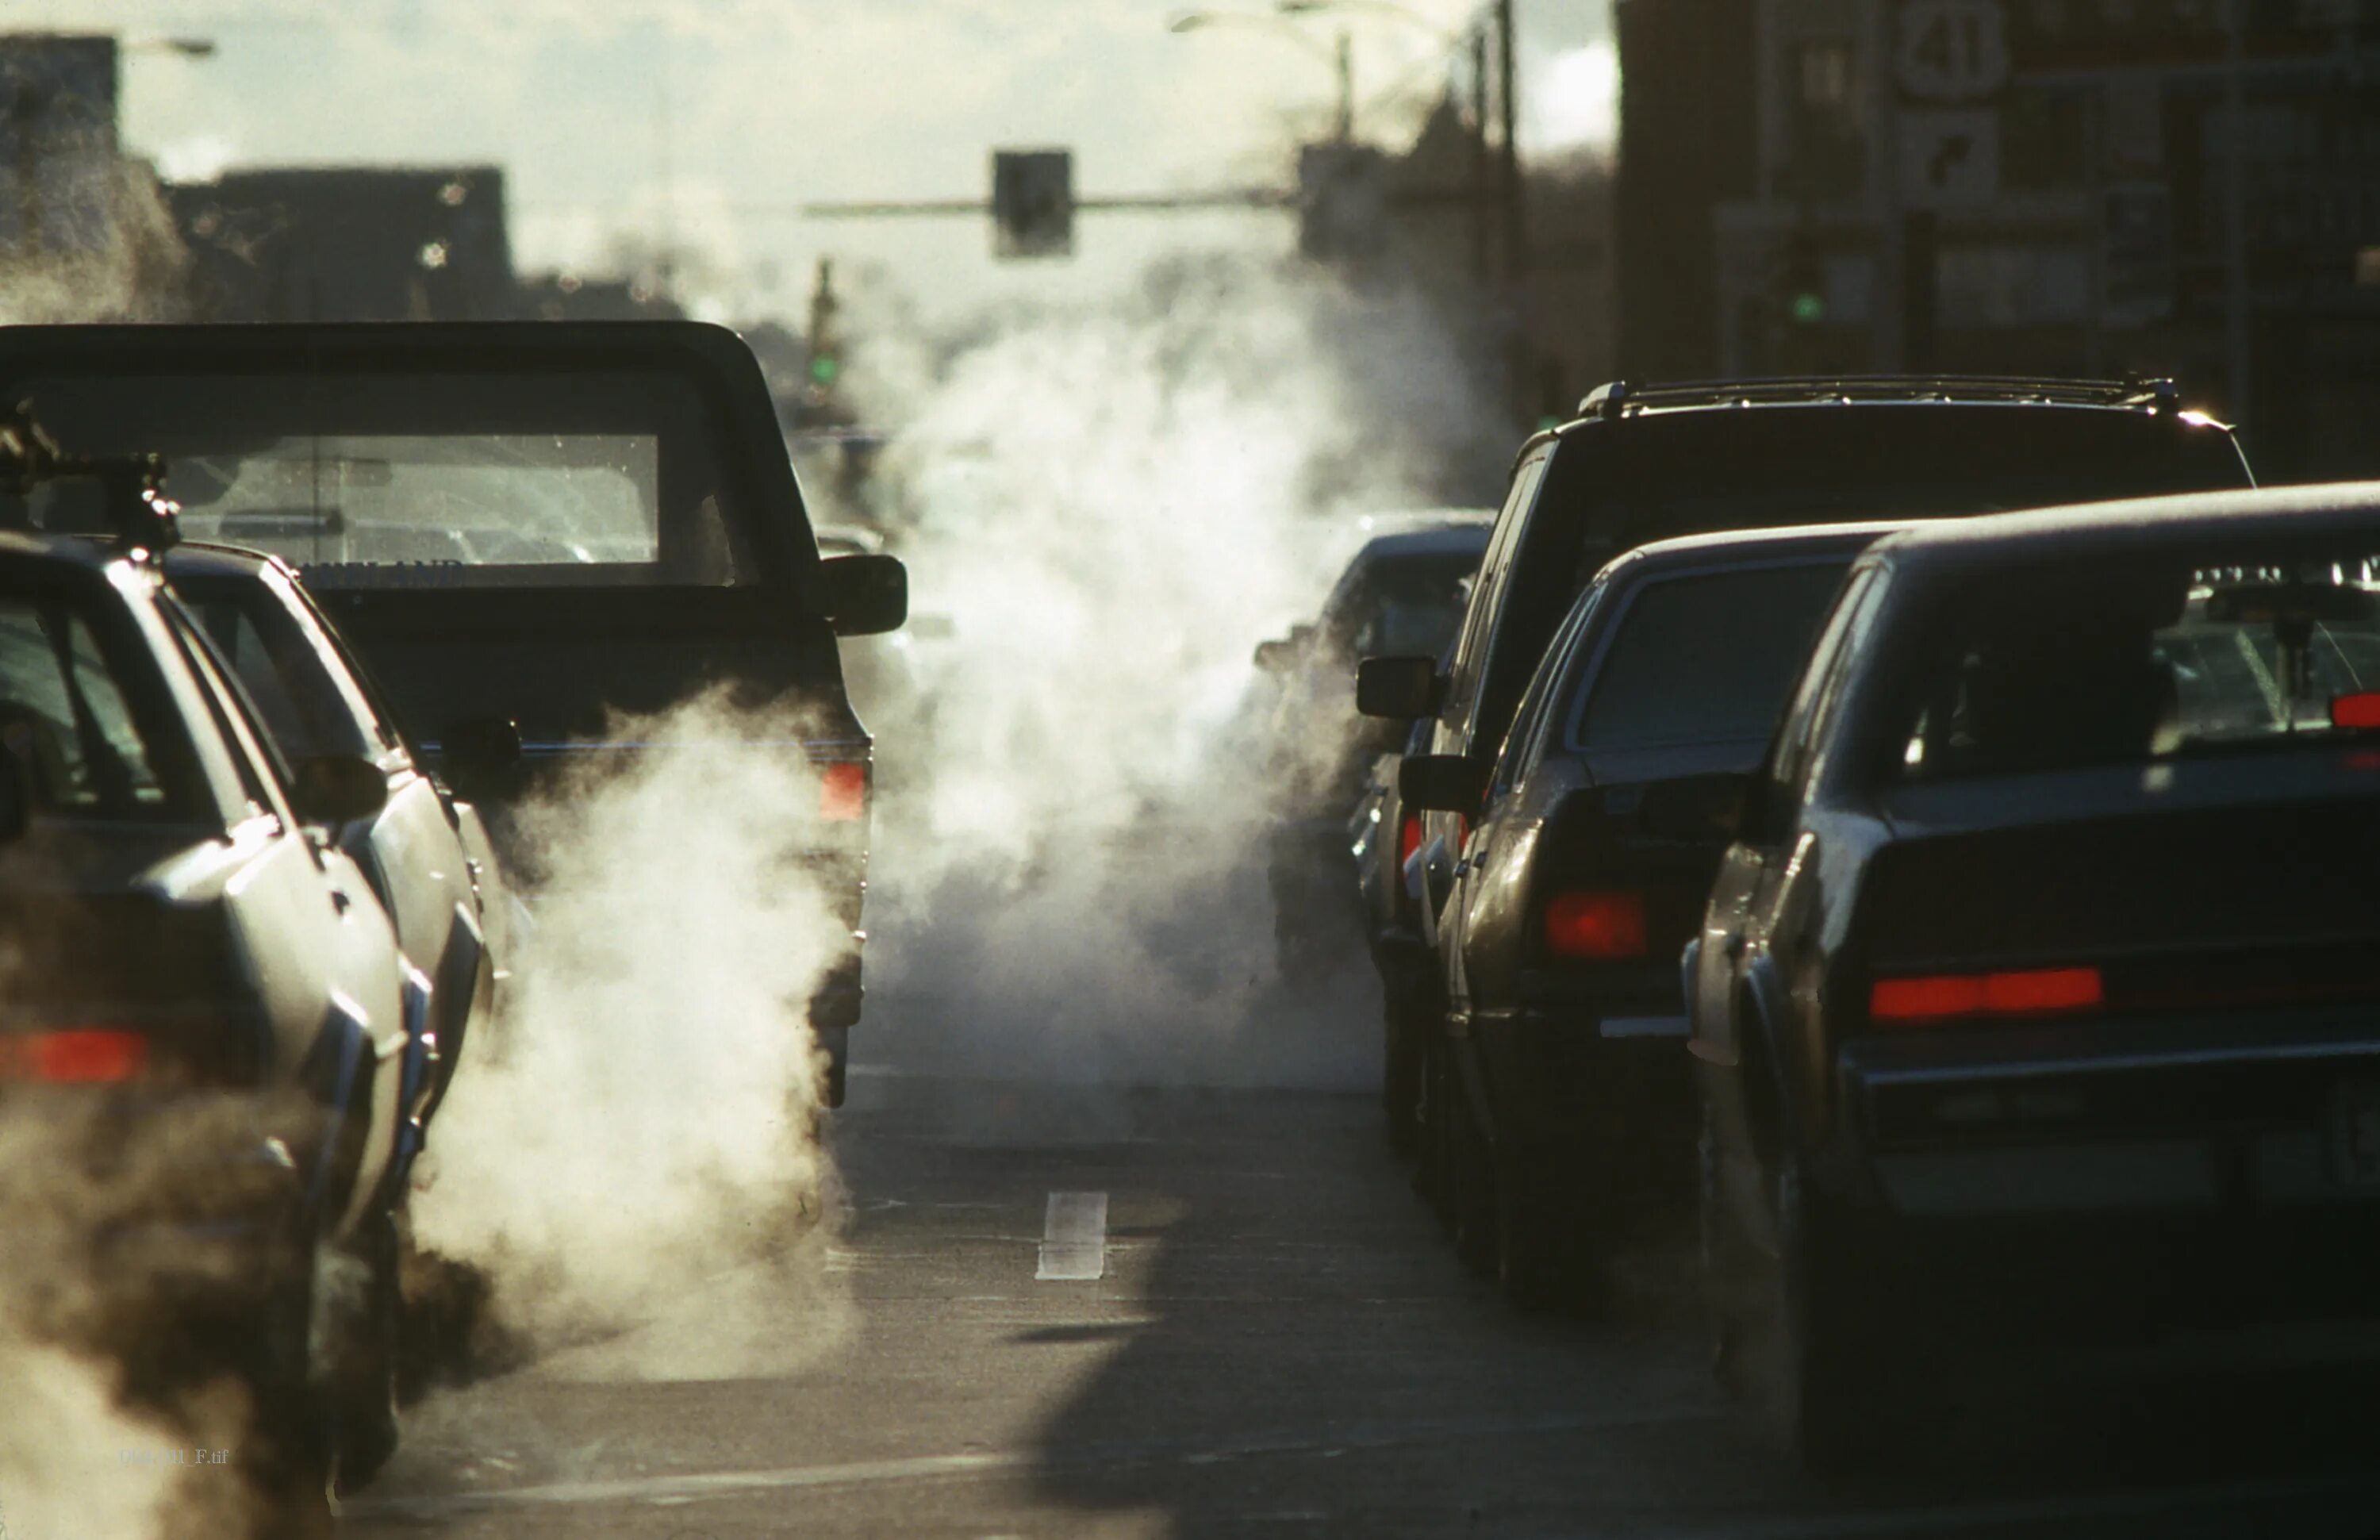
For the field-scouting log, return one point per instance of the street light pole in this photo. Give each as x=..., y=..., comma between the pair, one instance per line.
x=1482, y=151
x=1344, y=58
x=2238, y=299
x=1341, y=58
x=1516, y=253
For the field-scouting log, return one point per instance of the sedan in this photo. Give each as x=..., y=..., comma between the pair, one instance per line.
x=2034, y=1003
x=1562, y=1098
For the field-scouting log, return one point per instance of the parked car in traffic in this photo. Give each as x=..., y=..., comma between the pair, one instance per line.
x=192, y=947
x=1402, y=591
x=1566, y=1098
x=2033, y=1001
x=1648, y=463
x=425, y=853
x=525, y=530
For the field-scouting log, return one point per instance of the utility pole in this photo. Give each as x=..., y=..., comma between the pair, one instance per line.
x=1516, y=255
x=1343, y=60
x=2236, y=297
x=1482, y=155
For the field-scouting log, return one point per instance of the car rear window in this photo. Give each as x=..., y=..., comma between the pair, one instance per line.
x=1704, y=658
x=2146, y=662
x=424, y=479
x=68, y=719
x=1410, y=606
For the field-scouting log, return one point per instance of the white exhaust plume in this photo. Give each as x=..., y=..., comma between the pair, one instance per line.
x=1113, y=508
x=635, y=1150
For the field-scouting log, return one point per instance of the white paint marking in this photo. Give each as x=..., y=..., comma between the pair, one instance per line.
x=1073, y=1238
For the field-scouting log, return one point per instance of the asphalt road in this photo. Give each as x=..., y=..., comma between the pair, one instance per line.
x=1276, y=1342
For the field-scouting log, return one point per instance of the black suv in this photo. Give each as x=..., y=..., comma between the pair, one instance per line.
x=1650, y=463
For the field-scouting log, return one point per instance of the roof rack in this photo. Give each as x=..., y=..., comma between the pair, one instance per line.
x=131, y=486
x=1614, y=400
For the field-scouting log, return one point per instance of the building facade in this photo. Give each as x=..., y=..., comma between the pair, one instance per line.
x=2078, y=186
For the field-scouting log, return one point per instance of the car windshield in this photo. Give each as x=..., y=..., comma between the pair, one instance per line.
x=66, y=717
x=1704, y=658
x=2053, y=671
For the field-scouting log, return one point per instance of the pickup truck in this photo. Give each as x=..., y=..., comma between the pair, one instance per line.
x=525, y=531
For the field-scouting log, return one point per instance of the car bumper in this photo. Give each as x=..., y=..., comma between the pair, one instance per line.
x=1604, y=1084
x=2207, y=1160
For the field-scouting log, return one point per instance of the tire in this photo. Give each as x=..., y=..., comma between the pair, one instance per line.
x=835, y=1043
x=1730, y=1269
x=1471, y=1206
x=364, y=1370
x=1401, y=1072
x=289, y=1467
x=1433, y=1137
x=1830, y=1405
x=1543, y=1259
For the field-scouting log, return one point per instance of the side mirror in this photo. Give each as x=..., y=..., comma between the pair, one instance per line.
x=864, y=596
x=337, y=788
x=478, y=752
x=1273, y=657
x=1442, y=783
x=1399, y=688
x=1699, y=807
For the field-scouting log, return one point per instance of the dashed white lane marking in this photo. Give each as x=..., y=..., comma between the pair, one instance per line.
x=1073, y=1238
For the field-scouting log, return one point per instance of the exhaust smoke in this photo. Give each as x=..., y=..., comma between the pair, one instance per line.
x=1113, y=507
x=632, y=1158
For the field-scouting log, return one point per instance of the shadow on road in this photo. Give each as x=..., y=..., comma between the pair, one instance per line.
x=1304, y=1357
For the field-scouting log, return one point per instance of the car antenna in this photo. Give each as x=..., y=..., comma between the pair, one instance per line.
x=131, y=486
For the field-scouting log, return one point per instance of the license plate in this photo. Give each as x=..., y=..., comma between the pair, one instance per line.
x=2355, y=1136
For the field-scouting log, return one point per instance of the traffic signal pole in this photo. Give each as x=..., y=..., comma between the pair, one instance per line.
x=1516, y=250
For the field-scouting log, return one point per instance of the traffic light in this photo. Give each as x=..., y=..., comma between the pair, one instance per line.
x=1805, y=282
x=1033, y=202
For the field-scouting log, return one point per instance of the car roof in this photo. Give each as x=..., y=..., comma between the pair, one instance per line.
x=206, y=559
x=2094, y=528
x=77, y=550
x=1721, y=546
x=1614, y=405
x=1446, y=539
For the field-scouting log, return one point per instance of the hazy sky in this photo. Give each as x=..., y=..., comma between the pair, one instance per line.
x=716, y=118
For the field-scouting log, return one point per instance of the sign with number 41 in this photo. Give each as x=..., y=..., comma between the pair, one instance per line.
x=1952, y=50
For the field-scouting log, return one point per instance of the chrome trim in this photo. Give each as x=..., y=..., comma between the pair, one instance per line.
x=2114, y=1063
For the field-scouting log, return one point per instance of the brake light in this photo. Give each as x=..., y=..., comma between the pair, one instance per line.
x=1605, y=927
x=2361, y=709
x=1408, y=839
x=1942, y=997
x=81, y=1057
x=843, y=791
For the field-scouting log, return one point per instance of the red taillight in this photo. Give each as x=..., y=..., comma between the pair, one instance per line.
x=1941, y=996
x=2361, y=710
x=1408, y=839
x=843, y=791
x=1605, y=927
x=82, y=1057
